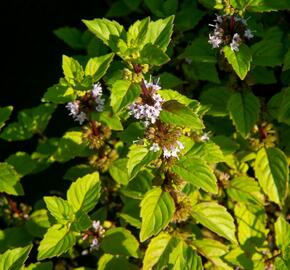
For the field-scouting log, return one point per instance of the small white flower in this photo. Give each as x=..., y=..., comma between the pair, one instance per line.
x=205, y=136
x=215, y=40
x=81, y=117
x=96, y=225
x=166, y=152
x=97, y=90
x=95, y=244
x=180, y=145
x=236, y=41
x=155, y=147
x=75, y=112
x=154, y=86
x=248, y=34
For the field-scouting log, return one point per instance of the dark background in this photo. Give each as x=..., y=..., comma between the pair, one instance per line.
x=31, y=62
x=31, y=53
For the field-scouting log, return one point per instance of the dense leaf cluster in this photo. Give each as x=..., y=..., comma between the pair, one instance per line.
x=178, y=157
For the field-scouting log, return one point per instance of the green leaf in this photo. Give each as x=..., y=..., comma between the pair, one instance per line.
x=162, y=8
x=207, y=151
x=9, y=180
x=282, y=234
x=5, y=113
x=117, y=171
x=137, y=33
x=245, y=189
x=30, y=121
x=251, y=221
x=286, y=63
x=72, y=70
x=123, y=94
x=56, y=241
x=81, y=221
x=244, y=110
x=184, y=257
x=14, y=259
x=59, y=209
x=210, y=248
x=71, y=36
x=98, y=66
x=216, y=218
x=199, y=50
x=69, y=146
x=271, y=169
x=59, y=94
x=38, y=223
x=240, y=61
x=119, y=241
x=108, y=31
x=216, y=98
x=85, y=192
x=196, y=172
x=158, y=250
x=157, y=209
x=40, y=266
x=22, y=163
x=267, y=53
x=109, y=262
x=138, y=157
x=178, y=114
x=168, y=94
x=168, y=80
x=261, y=5
x=77, y=171
x=159, y=32
x=153, y=55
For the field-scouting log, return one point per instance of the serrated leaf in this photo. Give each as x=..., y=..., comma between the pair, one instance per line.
x=261, y=5
x=216, y=98
x=38, y=223
x=184, y=257
x=207, y=151
x=159, y=32
x=85, y=192
x=108, y=31
x=59, y=209
x=22, y=163
x=9, y=180
x=14, y=259
x=244, y=110
x=123, y=93
x=119, y=241
x=59, y=94
x=30, y=121
x=282, y=234
x=109, y=262
x=157, y=209
x=196, y=172
x=210, y=248
x=251, y=221
x=117, y=171
x=138, y=157
x=72, y=69
x=98, y=66
x=5, y=113
x=153, y=55
x=271, y=169
x=158, y=250
x=245, y=189
x=240, y=60
x=137, y=32
x=56, y=241
x=178, y=114
x=216, y=218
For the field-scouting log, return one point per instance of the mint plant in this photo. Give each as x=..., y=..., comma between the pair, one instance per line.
x=177, y=159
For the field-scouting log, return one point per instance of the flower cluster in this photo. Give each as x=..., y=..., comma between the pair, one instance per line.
x=148, y=107
x=93, y=100
x=174, y=150
x=229, y=30
x=94, y=235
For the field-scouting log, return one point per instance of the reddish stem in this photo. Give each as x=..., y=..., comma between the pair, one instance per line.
x=262, y=132
x=232, y=24
x=94, y=128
